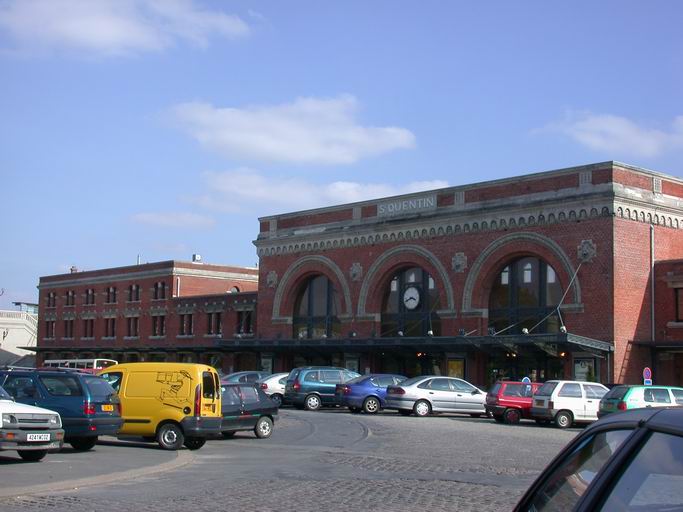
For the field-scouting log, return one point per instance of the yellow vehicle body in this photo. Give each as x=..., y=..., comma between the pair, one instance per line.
x=174, y=403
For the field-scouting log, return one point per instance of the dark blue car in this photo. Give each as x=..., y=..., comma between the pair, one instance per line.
x=367, y=392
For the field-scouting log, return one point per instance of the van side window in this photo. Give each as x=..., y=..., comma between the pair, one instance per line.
x=114, y=379
x=208, y=385
x=571, y=390
x=62, y=385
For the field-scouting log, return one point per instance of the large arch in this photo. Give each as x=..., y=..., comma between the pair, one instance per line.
x=402, y=250
x=473, y=278
x=291, y=274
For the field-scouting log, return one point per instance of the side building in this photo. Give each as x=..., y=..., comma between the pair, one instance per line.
x=163, y=311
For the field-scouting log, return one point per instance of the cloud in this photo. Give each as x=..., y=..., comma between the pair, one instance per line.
x=307, y=131
x=616, y=134
x=174, y=220
x=246, y=190
x=113, y=27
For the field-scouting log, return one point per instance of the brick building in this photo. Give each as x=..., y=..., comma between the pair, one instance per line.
x=164, y=311
x=573, y=273
x=544, y=275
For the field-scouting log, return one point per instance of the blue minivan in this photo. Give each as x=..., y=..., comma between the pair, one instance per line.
x=311, y=387
x=88, y=405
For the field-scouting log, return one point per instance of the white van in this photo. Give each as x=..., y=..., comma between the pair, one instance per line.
x=567, y=401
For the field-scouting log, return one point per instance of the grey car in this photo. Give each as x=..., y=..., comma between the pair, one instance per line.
x=433, y=393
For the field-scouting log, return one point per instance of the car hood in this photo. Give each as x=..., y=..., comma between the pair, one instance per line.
x=15, y=407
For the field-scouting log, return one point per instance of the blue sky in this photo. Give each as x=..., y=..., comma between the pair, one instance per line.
x=167, y=127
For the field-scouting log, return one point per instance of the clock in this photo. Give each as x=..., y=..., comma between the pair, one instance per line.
x=411, y=297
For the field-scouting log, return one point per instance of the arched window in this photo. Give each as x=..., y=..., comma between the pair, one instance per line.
x=410, y=304
x=524, y=293
x=316, y=310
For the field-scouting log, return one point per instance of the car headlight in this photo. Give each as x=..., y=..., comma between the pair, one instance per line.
x=55, y=420
x=9, y=419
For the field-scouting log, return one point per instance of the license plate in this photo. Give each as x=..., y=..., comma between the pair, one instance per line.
x=108, y=408
x=38, y=437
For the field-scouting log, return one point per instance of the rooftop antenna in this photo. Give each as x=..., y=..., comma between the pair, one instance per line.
x=138, y=259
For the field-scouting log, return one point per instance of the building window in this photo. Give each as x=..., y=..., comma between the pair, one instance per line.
x=70, y=298
x=679, y=304
x=213, y=323
x=409, y=305
x=315, y=310
x=185, y=324
x=159, y=290
x=134, y=293
x=110, y=327
x=111, y=295
x=51, y=300
x=133, y=324
x=244, y=322
x=525, y=295
x=89, y=297
x=68, y=328
x=159, y=325
x=49, y=328
x=89, y=328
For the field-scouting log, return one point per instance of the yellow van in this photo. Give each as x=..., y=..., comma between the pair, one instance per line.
x=175, y=403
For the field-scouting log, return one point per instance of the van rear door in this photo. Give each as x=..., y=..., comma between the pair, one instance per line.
x=210, y=395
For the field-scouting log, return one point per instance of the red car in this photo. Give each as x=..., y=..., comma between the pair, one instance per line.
x=509, y=401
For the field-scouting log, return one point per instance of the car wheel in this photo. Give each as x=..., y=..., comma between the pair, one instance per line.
x=564, y=419
x=405, y=412
x=422, y=408
x=277, y=398
x=32, y=455
x=312, y=403
x=83, y=444
x=194, y=443
x=512, y=416
x=228, y=435
x=170, y=436
x=264, y=427
x=371, y=405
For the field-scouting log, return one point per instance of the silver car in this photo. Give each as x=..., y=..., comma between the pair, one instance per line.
x=274, y=386
x=432, y=393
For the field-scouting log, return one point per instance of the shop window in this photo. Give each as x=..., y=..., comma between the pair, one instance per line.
x=525, y=294
x=409, y=305
x=316, y=309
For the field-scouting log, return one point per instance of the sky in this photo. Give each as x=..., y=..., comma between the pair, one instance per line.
x=163, y=128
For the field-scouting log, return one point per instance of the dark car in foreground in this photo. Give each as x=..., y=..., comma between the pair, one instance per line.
x=87, y=404
x=627, y=461
x=246, y=407
x=510, y=401
x=366, y=393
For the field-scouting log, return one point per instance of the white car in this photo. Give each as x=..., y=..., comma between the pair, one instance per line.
x=31, y=431
x=429, y=394
x=567, y=401
x=274, y=386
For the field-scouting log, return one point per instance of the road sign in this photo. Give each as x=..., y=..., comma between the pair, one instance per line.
x=647, y=376
x=647, y=382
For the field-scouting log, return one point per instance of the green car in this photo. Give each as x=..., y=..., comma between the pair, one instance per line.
x=624, y=397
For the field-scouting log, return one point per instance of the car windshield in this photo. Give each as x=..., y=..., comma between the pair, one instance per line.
x=99, y=388
x=410, y=382
x=4, y=395
x=546, y=389
x=617, y=392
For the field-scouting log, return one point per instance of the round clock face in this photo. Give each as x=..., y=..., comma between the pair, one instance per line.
x=411, y=297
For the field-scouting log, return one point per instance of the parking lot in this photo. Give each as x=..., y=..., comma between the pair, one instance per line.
x=330, y=460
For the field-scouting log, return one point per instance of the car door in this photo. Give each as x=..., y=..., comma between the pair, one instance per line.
x=468, y=398
x=440, y=394
x=571, y=397
x=251, y=407
x=231, y=408
x=328, y=384
x=593, y=394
